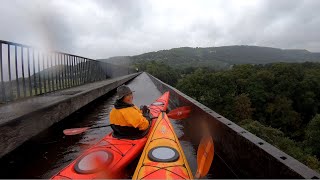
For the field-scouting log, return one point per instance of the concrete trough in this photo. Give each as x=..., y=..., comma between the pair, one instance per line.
x=21, y=120
x=247, y=155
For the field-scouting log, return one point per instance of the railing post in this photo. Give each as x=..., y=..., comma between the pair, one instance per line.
x=86, y=66
x=77, y=70
x=61, y=76
x=95, y=71
x=3, y=92
x=29, y=73
x=92, y=71
x=52, y=69
x=58, y=66
x=65, y=69
x=10, y=79
x=70, y=71
x=69, y=68
x=44, y=75
x=39, y=72
x=23, y=78
x=86, y=70
x=34, y=73
x=82, y=71
x=17, y=74
x=89, y=72
x=48, y=73
x=73, y=68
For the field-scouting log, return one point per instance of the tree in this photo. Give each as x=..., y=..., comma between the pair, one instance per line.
x=313, y=135
x=278, y=139
x=242, y=107
x=161, y=71
x=281, y=115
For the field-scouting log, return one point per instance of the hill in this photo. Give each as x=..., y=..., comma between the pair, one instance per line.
x=218, y=57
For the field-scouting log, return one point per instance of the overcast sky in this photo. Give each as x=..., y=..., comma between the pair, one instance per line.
x=105, y=28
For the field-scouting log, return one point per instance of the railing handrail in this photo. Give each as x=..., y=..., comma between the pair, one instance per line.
x=49, y=51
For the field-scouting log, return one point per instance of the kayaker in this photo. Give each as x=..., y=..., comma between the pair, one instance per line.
x=127, y=120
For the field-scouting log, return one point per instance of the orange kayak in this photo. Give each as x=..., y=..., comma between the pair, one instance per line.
x=163, y=157
x=109, y=157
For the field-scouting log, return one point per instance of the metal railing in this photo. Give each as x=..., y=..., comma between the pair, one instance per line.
x=26, y=71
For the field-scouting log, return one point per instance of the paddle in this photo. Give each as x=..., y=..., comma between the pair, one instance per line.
x=178, y=113
x=75, y=131
x=204, y=156
x=205, y=151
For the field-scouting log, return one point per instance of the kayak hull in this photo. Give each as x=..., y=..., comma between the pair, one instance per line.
x=163, y=157
x=109, y=157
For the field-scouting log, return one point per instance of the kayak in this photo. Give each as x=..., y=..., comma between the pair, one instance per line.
x=109, y=157
x=163, y=157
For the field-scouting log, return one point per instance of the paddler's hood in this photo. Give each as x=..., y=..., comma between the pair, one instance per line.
x=120, y=104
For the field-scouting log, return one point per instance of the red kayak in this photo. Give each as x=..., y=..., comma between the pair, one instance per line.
x=109, y=157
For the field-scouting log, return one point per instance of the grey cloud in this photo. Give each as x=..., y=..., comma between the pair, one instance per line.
x=284, y=24
x=101, y=29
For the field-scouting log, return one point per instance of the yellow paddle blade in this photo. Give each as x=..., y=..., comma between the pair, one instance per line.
x=204, y=156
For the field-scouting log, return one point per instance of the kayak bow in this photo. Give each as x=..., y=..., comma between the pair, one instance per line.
x=163, y=157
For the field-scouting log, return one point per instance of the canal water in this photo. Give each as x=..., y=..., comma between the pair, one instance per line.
x=47, y=153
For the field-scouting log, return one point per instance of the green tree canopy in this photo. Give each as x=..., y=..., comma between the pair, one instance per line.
x=313, y=135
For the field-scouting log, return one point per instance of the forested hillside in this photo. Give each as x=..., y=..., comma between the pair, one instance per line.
x=218, y=57
x=278, y=102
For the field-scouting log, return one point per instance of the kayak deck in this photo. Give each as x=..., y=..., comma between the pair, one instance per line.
x=121, y=150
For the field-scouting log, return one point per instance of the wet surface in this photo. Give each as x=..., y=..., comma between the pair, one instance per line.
x=50, y=151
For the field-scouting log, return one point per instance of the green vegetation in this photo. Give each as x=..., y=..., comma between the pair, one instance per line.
x=279, y=140
x=160, y=70
x=278, y=102
x=313, y=135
